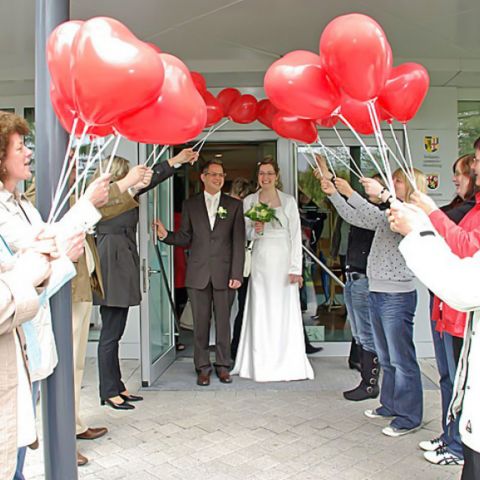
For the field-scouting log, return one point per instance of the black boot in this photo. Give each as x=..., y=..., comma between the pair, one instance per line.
x=368, y=387
x=309, y=348
x=354, y=358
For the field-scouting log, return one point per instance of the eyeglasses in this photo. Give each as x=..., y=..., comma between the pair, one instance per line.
x=216, y=175
x=267, y=174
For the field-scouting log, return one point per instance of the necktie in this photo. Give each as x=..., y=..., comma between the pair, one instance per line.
x=211, y=216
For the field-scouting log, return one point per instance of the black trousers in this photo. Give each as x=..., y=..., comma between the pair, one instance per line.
x=471, y=469
x=457, y=348
x=114, y=320
x=237, y=326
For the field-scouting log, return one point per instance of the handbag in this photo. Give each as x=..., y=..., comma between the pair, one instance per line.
x=186, y=319
x=247, y=265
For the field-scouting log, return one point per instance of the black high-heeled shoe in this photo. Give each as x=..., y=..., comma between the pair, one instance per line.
x=131, y=398
x=117, y=406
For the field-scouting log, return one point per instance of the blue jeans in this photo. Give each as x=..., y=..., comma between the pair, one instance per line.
x=443, y=345
x=401, y=392
x=22, y=452
x=355, y=295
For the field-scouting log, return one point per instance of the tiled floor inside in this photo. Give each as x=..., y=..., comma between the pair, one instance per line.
x=269, y=433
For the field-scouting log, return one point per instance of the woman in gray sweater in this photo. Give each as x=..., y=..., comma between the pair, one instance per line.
x=392, y=301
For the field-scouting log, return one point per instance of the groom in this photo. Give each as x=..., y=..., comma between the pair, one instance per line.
x=213, y=229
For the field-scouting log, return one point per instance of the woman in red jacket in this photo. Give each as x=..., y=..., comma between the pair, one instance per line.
x=459, y=224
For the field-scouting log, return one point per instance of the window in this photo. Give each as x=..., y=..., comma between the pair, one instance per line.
x=468, y=125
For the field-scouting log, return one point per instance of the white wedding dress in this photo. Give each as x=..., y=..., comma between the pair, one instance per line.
x=272, y=345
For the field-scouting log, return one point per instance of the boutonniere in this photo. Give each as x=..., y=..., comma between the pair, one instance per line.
x=222, y=212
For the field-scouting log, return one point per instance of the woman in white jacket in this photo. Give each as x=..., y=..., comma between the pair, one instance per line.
x=454, y=280
x=20, y=222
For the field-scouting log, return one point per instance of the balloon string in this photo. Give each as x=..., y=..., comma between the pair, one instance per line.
x=403, y=164
x=80, y=178
x=114, y=151
x=403, y=169
x=397, y=145
x=347, y=150
x=362, y=143
x=90, y=153
x=202, y=140
x=159, y=156
x=63, y=182
x=65, y=160
x=380, y=143
x=339, y=159
x=409, y=153
x=151, y=155
x=313, y=165
x=205, y=139
x=325, y=154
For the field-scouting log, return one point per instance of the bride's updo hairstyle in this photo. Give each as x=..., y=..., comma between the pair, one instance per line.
x=268, y=160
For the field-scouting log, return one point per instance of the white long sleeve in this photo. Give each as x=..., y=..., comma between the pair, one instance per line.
x=295, y=232
x=451, y=278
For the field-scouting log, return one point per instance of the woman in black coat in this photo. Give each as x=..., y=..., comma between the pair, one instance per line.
x=120, y=264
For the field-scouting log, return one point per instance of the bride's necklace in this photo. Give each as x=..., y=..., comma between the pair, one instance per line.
x=269, y=201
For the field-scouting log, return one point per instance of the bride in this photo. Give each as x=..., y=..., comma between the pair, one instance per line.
x=272, y=346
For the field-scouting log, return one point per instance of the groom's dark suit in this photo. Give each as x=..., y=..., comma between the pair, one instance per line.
x=216, y=256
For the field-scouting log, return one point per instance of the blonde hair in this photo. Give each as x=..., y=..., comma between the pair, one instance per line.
x=119, y=168
x=420, y=182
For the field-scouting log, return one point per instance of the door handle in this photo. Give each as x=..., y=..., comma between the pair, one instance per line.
x=151, y=271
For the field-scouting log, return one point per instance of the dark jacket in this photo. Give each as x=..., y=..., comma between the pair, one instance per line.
x=215, y=255
x=117, y=247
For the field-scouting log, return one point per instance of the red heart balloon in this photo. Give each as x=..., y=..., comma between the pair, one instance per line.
x=157, y=49
x=66, y=116
x=405, y=90
x=357, y=114
x=177, y=116
x=265, y=112
x=214, y=109
x=244, y=109
x=113, y=71
x=356, y=55
x=199, y=82
x=226, y=97
x=298, y=83
x=59, y=52
x=64, y=113
x=327, y=122
x=294, y=128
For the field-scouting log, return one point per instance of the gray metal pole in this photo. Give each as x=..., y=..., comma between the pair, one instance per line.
x=50, y=143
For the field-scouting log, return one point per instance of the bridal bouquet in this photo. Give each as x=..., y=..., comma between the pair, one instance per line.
x=261, y=212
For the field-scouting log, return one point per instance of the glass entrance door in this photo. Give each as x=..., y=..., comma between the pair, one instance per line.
x=156, y=321
x=326, y=234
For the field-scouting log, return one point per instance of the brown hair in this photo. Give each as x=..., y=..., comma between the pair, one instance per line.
x=214, y=161
x=241, y=187
x=465, y=164
x=10, y=124
x=420, y=182
x=476, y=144
x=268, y=160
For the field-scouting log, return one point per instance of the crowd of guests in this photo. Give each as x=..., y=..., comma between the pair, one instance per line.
x=441, y=250
x=269, y=344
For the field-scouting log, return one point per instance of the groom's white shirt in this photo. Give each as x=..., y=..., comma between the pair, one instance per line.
x=212, y=202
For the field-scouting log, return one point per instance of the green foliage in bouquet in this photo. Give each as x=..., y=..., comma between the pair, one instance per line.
x=261, y=212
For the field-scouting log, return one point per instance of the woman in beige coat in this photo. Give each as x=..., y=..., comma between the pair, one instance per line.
x=19, y=302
